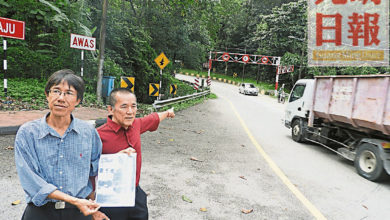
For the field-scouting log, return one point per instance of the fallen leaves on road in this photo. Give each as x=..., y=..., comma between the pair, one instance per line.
x=365, y=207
x=246, y=211
x=186, y=199
x=17, y=202
x=203, y=209
x=199, y=132
x=242, y=177
x=195, y=159
x=9, y=148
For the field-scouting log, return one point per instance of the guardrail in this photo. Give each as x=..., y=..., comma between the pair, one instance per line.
x=162, y=103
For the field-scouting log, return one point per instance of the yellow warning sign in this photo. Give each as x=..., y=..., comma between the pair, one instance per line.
x=128, y=82
x=162, y=61
x=154, y=89
x=173, y=89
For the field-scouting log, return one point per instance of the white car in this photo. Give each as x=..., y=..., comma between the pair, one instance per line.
x=248, y=89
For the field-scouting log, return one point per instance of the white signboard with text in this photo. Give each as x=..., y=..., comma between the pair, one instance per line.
x=348, y=33
x=82, y=42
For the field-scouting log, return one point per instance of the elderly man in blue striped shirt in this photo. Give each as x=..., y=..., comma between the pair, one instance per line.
x=57, y=156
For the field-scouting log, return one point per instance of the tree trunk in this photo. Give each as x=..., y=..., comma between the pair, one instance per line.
x=101, y=51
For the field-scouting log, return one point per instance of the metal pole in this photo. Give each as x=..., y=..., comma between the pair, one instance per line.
x=159, y=90
x=208, y=73
x=301, y=61
x=82, y=62
x=243, y=72
x=243, y=69
x=276, y=80
x=5, y=67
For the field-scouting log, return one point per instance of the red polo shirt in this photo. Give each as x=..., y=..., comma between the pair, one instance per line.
x=115, y=138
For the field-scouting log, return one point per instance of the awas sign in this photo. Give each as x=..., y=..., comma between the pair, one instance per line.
x=82, y=42
x=11, y=28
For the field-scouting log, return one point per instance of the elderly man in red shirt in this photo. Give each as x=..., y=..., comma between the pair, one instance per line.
x=122, y=133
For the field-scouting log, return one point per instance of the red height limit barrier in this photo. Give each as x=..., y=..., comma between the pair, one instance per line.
x=250, y=59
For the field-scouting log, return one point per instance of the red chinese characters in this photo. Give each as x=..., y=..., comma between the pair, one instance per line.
x=361, y=25
x=320, y=27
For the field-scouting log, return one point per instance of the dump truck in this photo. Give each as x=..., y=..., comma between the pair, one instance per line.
x=349, y=115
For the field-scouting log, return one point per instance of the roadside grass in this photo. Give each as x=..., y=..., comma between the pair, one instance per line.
x=29, y=94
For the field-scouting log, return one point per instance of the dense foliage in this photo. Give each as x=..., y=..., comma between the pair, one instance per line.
x=138, y=30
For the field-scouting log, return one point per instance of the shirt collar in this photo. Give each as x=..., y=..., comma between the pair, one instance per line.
x=45, y=129
x=114, y=126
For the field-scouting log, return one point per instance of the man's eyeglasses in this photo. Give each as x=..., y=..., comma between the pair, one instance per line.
x=58, y=93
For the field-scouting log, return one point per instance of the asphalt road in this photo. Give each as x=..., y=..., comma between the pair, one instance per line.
x=327, y=181
x=242, y=158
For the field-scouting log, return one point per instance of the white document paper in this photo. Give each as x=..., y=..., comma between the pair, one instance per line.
x=116, y=180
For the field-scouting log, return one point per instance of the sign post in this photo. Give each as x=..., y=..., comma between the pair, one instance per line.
x=83, y=43
x=282, y=70
x=9, y=28
x=161, y=61
x=208, y=72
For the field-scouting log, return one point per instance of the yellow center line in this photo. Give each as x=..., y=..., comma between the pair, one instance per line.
x=314, y=211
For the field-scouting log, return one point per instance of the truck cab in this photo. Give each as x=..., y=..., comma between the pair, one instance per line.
x=299, y=102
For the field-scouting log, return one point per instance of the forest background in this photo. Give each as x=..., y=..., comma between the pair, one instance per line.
x=137, y=31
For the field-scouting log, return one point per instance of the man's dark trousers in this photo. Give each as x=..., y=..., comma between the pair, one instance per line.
x=138, y=212
x=49, y=212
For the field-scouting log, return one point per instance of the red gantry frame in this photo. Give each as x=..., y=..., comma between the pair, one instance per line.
x=249, y=59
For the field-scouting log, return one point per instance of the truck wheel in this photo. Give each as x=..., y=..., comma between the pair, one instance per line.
x=297, y=130
x=369, y=164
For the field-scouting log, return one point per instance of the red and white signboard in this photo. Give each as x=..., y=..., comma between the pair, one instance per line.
x=245, y=58
x=82, y=42
x=11, y=28
x=264, y=60
x=225, y=57
x=285, y=69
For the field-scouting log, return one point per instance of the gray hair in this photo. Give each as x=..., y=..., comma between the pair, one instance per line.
x=112, y=99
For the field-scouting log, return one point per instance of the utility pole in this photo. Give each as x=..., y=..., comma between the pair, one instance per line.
x=101, y=51
x=302, y=53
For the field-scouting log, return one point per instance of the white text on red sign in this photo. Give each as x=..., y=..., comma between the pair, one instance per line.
x=11, y=28
x=82, y=42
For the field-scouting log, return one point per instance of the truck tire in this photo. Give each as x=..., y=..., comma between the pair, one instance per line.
x=297, y=130
x=369, y=164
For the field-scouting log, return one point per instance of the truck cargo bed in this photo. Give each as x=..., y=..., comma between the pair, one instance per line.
x=361, y=101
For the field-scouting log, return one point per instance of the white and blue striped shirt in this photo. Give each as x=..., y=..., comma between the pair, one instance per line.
x=46, y=162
